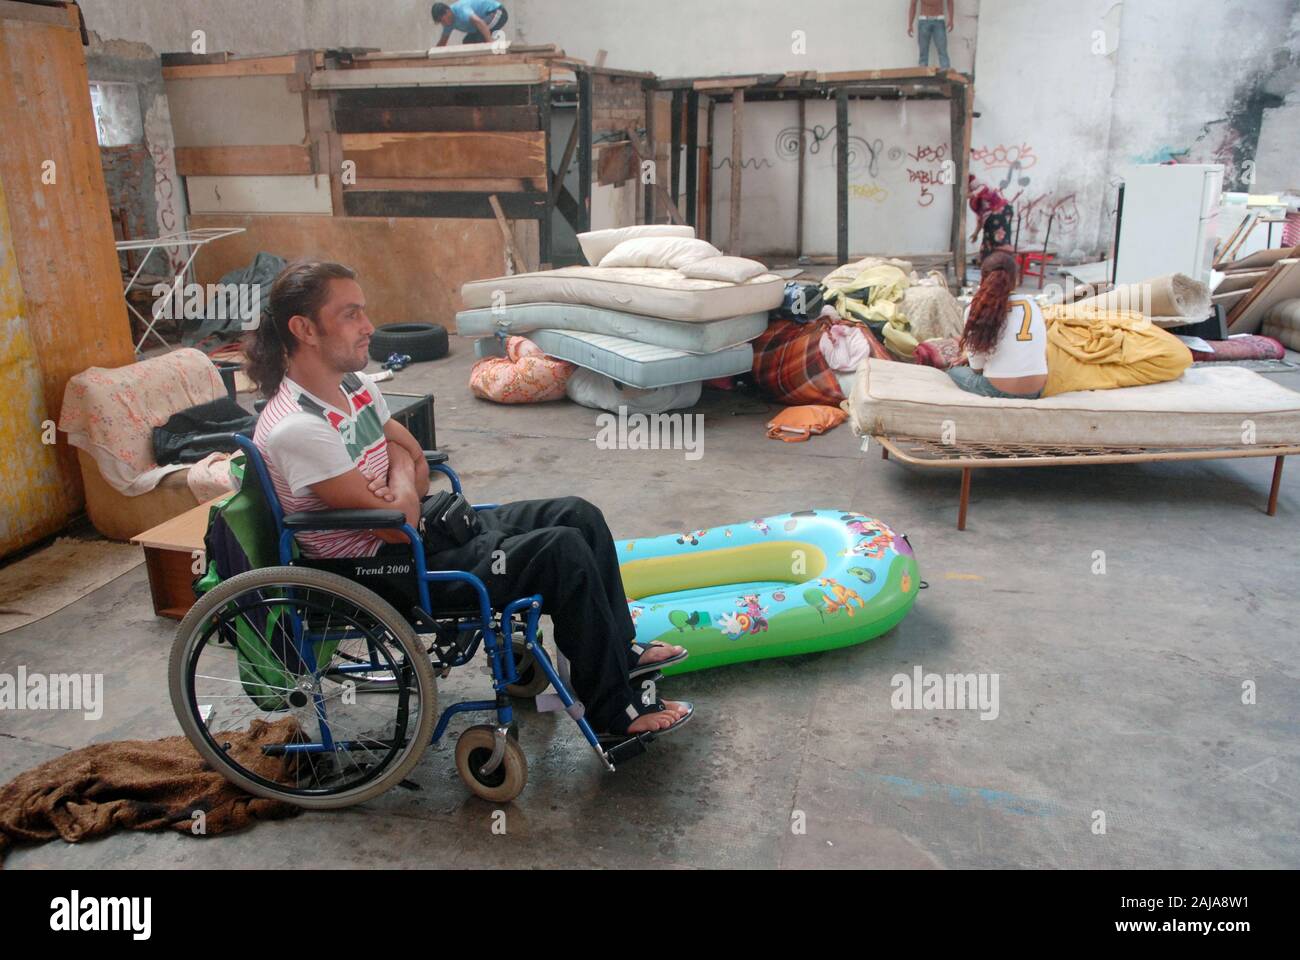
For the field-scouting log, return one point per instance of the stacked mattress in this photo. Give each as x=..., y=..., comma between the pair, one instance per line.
x=646, y=327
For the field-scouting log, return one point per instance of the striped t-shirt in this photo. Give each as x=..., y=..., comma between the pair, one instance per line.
x=305, y=440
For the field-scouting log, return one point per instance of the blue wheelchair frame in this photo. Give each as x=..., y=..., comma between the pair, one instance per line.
x=500, y=650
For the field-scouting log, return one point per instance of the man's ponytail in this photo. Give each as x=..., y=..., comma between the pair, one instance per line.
x=301, y=289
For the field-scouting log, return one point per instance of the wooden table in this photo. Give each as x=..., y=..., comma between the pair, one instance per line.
x=175, y=558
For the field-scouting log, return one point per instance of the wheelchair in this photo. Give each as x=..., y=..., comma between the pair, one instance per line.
x=305, y=682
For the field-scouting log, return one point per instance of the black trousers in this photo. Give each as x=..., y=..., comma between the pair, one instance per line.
x=563, y=550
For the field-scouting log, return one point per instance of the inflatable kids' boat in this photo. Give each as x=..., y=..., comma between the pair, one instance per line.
x=791, y=584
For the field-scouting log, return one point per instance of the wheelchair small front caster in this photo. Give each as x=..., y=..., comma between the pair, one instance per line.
x=475, y=748
x=532, y=678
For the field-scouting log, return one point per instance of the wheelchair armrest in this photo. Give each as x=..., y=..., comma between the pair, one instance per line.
x=344, y=519
x=434, y=456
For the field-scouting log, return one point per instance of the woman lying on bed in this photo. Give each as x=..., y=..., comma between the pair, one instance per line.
x=1005, y=337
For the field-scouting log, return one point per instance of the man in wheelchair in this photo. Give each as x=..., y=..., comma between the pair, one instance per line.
x=329, y=443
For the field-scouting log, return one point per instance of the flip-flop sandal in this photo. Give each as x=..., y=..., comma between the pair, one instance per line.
x=624, y=746
x=642, y=669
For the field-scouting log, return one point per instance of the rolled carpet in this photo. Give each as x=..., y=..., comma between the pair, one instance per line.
x=1176, y=295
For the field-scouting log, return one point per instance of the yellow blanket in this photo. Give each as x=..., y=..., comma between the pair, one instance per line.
x=887, y=283
x=1104, y=349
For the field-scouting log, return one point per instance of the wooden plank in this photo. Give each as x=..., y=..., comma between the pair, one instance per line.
x=586, y=104
x=1242, y=280
x=254, y=110
x=190, y=59
x=309, y=193
x=384, y=98
x=411, y=269
x=962, y=110
x=705, y=214
x=725, y=83
x=452, y=53
x=615, y=163
x=542, y=98
x=692, y=157
x=437, y=76
x=647, y=189
x=639, y=156
x=450, y=184
x=675, y=143
x=274, y=160
x=62, y=235
x=799, y=180
x=51, y=16
x=842, y=176
x=898, y=73
x=508, y=238
x=435, y=119
x=183, y=532
x=485, y=154
x=464, y=205
x=1260, y=260
x=737, y=168
x=1282, y=284
x=249, y=67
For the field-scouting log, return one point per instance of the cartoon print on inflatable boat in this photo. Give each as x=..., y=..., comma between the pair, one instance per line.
x=681, y=619
x=863, y=574
x=733, y=625
x=756, y=612
x=875, y=548
x=727, y=602
x=840, y=597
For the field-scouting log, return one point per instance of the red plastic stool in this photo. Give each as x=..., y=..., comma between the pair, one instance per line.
x=1025, y=262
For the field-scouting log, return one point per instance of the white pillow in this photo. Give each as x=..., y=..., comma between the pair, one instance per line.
x=597, y=243
x=729, y=269
x=668, y=253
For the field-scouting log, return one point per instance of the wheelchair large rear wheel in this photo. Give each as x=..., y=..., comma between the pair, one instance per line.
x=300, y=685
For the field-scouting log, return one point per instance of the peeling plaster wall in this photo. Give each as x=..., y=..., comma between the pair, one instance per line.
x=690, y=38
x=1044, y=81
x=1223, y=68
x=264, y=26
x=140, y=178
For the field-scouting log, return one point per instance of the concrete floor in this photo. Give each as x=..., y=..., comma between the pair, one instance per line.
x=1119, y=692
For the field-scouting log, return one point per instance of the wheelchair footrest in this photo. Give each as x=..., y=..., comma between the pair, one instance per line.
x=623, y=750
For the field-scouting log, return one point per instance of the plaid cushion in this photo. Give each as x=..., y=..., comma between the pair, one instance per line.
x=789, y=367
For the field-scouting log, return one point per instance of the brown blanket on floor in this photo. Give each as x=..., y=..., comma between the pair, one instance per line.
x=140, y=785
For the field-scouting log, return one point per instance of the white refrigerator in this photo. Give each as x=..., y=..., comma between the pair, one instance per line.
x=1170, y=221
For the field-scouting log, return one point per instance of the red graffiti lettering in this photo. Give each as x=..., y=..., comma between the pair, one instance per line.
x=1004, y=155
x=925, y=153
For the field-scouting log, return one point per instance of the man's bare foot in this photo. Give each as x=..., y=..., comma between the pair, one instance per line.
x=650, y=722
x=658, y=653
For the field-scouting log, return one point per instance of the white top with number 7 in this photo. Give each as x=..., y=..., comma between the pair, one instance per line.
x=1021, y=351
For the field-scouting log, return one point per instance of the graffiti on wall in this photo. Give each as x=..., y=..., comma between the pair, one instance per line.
x=1005, y=166
x=873, y=192
x=158, y=139
x=931, y=169
x=864, y=156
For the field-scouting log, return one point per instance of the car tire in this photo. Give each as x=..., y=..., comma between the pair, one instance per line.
x=421, y=341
